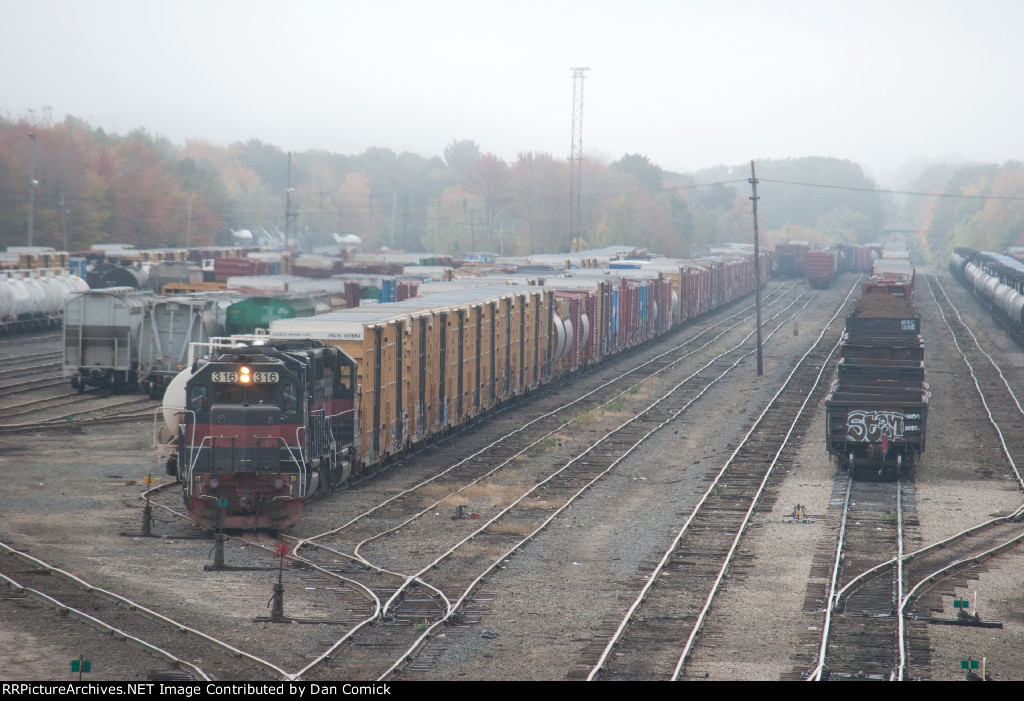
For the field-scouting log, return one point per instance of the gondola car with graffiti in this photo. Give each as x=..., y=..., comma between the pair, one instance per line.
x=878, y=407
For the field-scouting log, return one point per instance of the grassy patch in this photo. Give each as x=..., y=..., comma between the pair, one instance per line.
x=512, y=528
x=474, y=550
x=544, y=445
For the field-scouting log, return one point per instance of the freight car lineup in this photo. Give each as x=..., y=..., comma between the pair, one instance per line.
x=997, y=281
x=372, y=383
x=33, y=300
x=412, y=371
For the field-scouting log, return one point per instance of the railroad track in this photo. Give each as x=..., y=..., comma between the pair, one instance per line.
x=22, y=386
x=30, y=340
x=462, y=567
x=1001, y=404
x=71, y=412
x=196, y=654
x=12, y=367
x=654, y=638
x=861, y=636
x=412, y=599
x=40, y=368
x=531, y=439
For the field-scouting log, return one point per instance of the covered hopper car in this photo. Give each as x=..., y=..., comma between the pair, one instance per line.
x=101, y=338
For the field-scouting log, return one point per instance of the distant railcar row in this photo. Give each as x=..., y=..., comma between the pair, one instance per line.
x=33, y=300
x=997, y=281
x=889, y=265
x=820, y=267
x=323, y=399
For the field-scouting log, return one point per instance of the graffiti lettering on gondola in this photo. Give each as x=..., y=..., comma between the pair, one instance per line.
x=870, y=426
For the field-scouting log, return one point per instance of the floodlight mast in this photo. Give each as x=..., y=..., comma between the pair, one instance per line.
x=576, y=157
x=31, y=186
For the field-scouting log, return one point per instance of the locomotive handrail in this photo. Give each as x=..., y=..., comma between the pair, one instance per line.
x=194, y=450
x=181, y=427
x=300, y=461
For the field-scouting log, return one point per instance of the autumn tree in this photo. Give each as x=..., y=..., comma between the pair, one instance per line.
x=540, y=195
x=459, y=156
x=489, y=178
x=647, y=174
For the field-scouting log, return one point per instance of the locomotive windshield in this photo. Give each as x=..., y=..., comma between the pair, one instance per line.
x=245, y=394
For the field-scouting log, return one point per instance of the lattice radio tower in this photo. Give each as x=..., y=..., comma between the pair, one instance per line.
x=576, y=156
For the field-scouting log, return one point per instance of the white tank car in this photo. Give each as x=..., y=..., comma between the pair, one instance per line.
x=173, y=405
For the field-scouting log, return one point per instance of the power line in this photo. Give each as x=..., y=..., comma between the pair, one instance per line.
x=896, y=192
x=224, y=207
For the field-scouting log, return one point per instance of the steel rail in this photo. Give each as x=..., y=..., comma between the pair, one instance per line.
x=593, y=446
x=764, y=482
x=902, y=557
x=962, y=562
x=368, y=593
x=977, y=385
x=572, y=420
x=105, y=627
x=901, y=632
x=150, y=612
x=686, y=525
x=815, y=674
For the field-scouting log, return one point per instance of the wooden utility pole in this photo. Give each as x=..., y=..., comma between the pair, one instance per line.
x=757, y=270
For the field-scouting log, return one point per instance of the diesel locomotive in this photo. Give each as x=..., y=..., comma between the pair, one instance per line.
x=263, y=428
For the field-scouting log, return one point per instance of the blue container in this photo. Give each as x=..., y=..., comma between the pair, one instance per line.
x=388, y=290
x=78, y=267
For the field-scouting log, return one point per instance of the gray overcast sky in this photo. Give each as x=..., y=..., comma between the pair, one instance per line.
x=689, y=84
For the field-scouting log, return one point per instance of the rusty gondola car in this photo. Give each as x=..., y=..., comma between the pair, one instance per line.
x=878, y=408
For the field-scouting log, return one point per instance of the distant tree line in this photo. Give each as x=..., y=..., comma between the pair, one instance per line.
x=142, y=189
x=974, y=205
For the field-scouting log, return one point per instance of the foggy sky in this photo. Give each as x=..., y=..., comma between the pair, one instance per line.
x=688, y=84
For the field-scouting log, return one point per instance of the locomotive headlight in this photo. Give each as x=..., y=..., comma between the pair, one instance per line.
x=214, y=483
x=244, y=377
x=278, y=484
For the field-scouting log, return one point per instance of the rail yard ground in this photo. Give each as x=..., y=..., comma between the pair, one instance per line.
x=69, y=496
